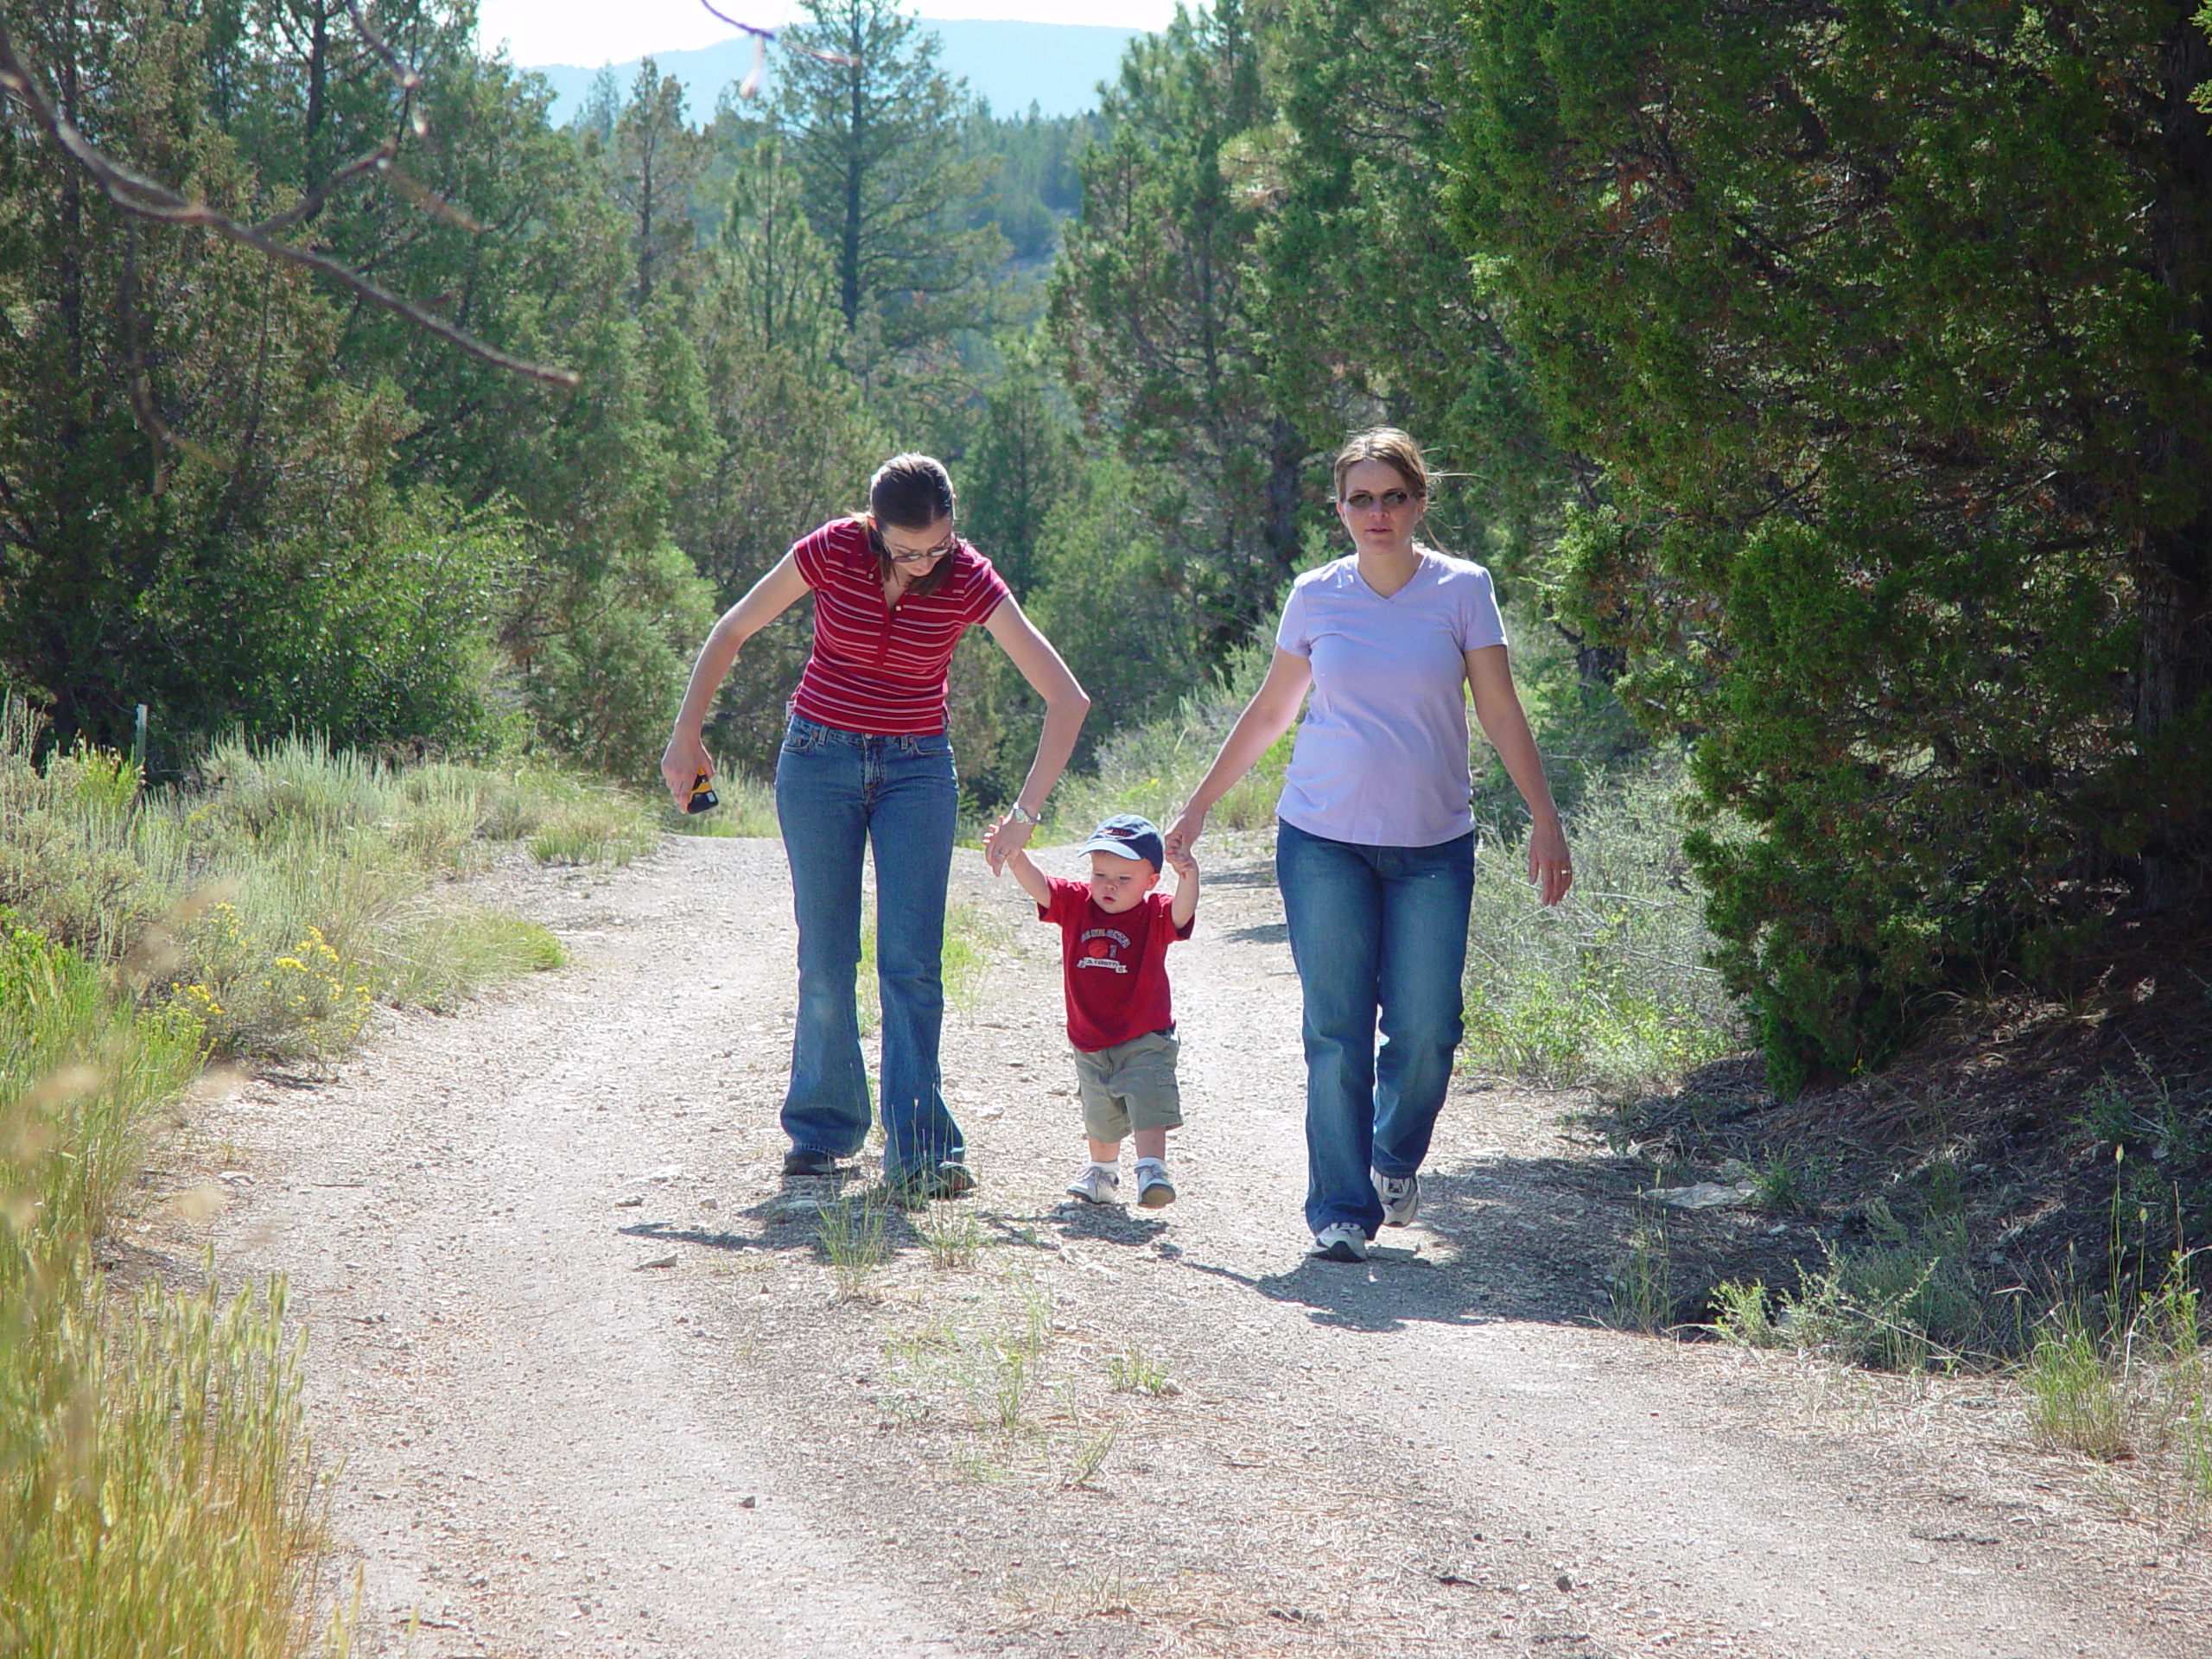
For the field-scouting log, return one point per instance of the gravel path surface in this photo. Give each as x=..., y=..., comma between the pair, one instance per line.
x=600, y=1388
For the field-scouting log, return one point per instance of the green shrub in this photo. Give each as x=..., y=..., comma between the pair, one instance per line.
x=1612, y=986
x=614, y=653
x=390, y=642
x=1908, y=1298
x=1889, y=507
x=1152, y=767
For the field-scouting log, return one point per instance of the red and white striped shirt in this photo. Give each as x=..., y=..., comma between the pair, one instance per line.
x=879, y=668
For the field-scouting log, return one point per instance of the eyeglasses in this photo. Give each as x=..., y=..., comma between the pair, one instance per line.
x=924, y=556
x=1390, y=501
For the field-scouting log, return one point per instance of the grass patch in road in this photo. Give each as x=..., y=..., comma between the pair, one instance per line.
x=851, y=1234
x=973, y=938
x=992, y=1365
x=1090, y=1456
x=1135, y=1371
x=952, y=1235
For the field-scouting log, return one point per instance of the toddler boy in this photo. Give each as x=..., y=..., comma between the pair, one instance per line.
x=1114, y=931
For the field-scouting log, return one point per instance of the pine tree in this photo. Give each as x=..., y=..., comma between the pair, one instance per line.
x=776, y=271
x=1160, y=312
x=1375, y=314
x=653, y=161
x=1889, y=328
x=873, y=127
x=193, y=515
x=1018, y=469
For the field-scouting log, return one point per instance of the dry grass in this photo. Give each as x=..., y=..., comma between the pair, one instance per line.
x=156, y=1485
x=282, y=898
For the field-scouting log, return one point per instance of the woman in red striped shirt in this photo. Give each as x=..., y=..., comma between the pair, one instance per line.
x=866, y=761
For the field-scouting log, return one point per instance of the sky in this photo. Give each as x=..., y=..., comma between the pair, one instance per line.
x=592, y=32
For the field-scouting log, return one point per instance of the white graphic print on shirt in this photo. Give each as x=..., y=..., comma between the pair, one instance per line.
x=1098, y=948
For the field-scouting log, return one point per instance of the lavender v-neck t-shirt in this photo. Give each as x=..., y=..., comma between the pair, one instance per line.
x=1382, y=754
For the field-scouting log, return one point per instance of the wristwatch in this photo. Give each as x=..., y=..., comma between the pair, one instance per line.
x=1022, y=814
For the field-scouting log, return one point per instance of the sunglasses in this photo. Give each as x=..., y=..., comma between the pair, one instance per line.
x=1390, y=501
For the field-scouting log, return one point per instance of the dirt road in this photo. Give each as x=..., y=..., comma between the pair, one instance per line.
x=596, y=1390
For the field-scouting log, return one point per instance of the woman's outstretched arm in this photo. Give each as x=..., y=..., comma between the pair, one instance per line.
x=1065, y=704
x=1266, y=718
x=1497, y=706
x=685, y=757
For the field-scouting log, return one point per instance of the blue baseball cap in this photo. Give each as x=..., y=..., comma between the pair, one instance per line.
x=1127, y=836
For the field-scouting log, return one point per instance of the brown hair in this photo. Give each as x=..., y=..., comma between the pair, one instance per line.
x=1391, y=447
x=910, y=491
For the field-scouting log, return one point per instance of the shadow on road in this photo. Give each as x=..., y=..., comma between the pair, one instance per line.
x=1532, y=1240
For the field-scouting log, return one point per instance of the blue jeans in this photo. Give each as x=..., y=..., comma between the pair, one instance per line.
x=1380, y=938
x=837, y=794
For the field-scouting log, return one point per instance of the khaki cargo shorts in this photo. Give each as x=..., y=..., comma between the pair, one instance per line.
x=1130, y=1086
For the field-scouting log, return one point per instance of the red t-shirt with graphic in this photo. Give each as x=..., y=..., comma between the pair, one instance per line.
x=1114, y=963
x=877, y=668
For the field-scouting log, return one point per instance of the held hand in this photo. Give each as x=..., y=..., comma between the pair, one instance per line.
x=1183, y=864
x=1005, y=838
x=1184, y=833
x=1550, y=870
x=681, y=763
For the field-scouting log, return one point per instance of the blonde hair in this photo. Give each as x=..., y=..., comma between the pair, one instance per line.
x=1395, y=450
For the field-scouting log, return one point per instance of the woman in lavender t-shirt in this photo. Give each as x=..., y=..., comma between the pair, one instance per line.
x=1375, y=850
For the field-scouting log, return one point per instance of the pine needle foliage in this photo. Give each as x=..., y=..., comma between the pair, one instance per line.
x=1887, y=327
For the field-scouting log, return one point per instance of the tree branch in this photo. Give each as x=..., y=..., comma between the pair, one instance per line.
x=148, y=199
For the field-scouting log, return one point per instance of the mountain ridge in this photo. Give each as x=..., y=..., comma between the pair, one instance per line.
x=1010, y=65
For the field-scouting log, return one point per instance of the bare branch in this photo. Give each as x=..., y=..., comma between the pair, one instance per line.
x=404, y=75
x=751, y=86
x=428, y=200
x=147, y=198
x=311, y=204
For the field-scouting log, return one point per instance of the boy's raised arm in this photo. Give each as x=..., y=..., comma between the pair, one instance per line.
x=1028, y=877
x=1185, y=904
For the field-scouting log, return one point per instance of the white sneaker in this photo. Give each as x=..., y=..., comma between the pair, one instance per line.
x=1343, y=1241
x=1154, y=1190
x=1097, y=1185
x=1401, y=1196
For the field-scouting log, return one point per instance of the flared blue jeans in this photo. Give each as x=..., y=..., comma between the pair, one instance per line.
x=839, y=795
